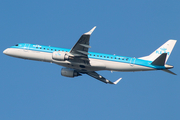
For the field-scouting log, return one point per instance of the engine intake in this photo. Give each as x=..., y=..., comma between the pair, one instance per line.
x=67, y=72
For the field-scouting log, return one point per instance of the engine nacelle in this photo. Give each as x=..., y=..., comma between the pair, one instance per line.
x=67, y=72
x=60, y=56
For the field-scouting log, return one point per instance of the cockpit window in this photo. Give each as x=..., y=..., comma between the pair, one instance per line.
x=16, y=45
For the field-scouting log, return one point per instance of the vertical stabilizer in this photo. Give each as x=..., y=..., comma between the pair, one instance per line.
x=160, y=61
x=165, y=48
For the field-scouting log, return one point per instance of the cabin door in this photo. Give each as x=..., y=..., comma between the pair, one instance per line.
x=132, y=62
x=26, y=47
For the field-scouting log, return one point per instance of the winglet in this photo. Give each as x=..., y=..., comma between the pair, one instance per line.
x=116, y=82
x=90, y=32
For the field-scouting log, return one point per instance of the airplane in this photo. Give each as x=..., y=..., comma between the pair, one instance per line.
x=77, y=60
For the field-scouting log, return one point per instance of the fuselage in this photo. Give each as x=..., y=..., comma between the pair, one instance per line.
x=98, y=61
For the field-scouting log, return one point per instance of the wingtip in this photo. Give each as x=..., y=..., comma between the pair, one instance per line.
x=116, y=82
x=91, y=31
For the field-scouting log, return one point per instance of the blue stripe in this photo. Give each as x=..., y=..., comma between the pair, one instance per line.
x=93, y=55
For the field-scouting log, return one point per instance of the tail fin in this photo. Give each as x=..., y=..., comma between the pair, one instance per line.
x=160, y=61
x=165, y=48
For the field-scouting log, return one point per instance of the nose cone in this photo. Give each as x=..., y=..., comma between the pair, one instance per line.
x=5, y=51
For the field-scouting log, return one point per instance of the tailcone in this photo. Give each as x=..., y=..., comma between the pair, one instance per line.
x=169, y=66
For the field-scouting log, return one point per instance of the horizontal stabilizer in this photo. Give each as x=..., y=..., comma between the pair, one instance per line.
x=160, y=61
x=168, y=71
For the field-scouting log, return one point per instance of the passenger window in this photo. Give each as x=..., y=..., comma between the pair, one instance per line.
x=90, y=54
x=119, y=58
x=104, y=56
x=97, y=55
x=16, y=45
x=107, y=56
x=40, y=48
x=94, y=55
x=55, y=49
x=36, y=47
x=101, y=56
x=123, y=59
x=44, y=48
x=111, y=57
x=48, y=49
x=58, y=50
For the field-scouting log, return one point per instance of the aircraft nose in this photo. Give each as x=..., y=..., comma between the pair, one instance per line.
x=5, y=51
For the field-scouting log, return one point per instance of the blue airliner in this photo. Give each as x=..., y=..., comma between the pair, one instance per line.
x=78, y=60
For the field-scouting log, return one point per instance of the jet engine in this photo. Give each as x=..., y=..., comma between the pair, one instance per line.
x=67, y=72
x=60, y=56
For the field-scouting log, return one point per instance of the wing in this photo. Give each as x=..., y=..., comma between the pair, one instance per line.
x=101, y=78
x=80, y=49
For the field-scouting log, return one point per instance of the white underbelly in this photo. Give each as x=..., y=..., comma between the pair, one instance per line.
x=95, y=64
